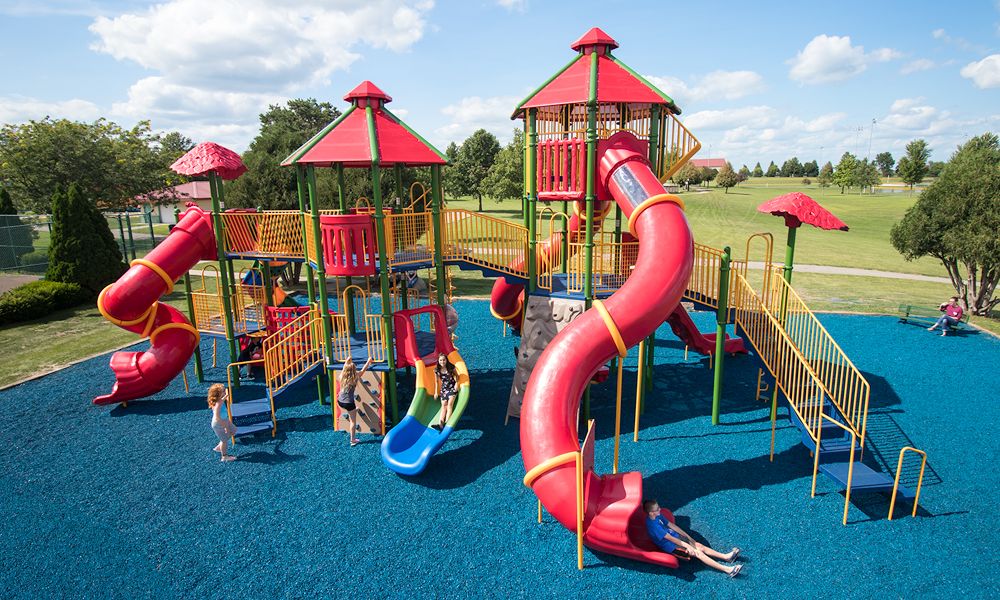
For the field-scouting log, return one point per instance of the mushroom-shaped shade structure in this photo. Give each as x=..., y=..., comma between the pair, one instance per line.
x=797, y=208
x=209, y=157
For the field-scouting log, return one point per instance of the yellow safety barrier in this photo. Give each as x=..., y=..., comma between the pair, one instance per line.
x=485, y=241
x=920, y=481
x=703, y=284
x=270, y=234
x=850, y=468
x=611, y=266
x=293, y=350
x=675, y=145
x=409, y=238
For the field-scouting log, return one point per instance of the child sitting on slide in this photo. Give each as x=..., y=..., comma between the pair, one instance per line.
x=673, y=540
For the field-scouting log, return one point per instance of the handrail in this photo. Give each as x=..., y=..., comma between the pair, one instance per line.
x=293, y=350
x=850, y=468
x=920, y=480
x=485, y=241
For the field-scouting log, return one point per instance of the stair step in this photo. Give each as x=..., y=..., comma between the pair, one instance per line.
x=251, y=416
x=865, y=479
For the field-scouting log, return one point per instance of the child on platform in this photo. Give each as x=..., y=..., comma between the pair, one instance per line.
x=223, y=427
x=672, y=539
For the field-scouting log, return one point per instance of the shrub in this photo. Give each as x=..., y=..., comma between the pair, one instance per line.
x=806, y=181
x=34, y=262
x=39, y=298
x=83, y=250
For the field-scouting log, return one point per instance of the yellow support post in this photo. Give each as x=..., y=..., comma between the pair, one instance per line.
x=579, y=510
x=920, y=481
x=638, y=392
x=618, y=412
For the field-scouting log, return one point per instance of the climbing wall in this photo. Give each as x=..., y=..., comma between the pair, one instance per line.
x=369, y=403
x=543, y=318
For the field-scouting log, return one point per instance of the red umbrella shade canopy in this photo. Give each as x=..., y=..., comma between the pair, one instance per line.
x=797, y=208
x=207, y=157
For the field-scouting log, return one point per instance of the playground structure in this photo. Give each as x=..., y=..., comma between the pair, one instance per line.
x=599, y=142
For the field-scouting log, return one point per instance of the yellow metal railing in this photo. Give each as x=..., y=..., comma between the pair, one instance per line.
x=409, y=238
x=247, y=303
x=703, y=284
x=793, y=374
x=485, y=241
x=675, y=145
x=850, y=464
x=612, y=264
x=273, y=233
x=293, y=350
x=920, y=480
x=310, y=241
x=844, y=385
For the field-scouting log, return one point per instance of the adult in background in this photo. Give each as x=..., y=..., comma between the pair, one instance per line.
x=952, y=315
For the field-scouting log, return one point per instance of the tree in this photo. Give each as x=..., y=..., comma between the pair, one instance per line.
x=505, y=178
x=727, y=178
x=16, y=238
x=772, y=170
x=475, y=157
x=885, y=162
x=956, y=219
x=934, y=168
x=708, y=174
x=83, y=249
x=844, y=175
x=450, y=178
x=810, y=169
x=866, y=176
x=826, y=175
x=687, y=175
x=283, y=129
x=791, y=168
x=744, y=173
x=757, y=171
x=110, y=164
x=913, y=167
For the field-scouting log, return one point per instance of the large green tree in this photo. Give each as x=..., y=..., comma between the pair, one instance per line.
x=866, y=176
x=885, y=163
x=505, y=179
x=83, y=249
x=792, y=168
x=772, y=170
x=727, y=177
x=757, y=171
x=956, y=220
x=110, y=164
x=16, y=238
x=845, y=174
x=687, y=175
x=912, y=168
x=826, y=175
x=475, y=157
x=744, y=173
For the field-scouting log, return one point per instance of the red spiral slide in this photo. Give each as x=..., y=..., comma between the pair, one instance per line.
x=613, y=520
x=132, y=303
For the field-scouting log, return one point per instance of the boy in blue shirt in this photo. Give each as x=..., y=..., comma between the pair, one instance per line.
x=673, y=540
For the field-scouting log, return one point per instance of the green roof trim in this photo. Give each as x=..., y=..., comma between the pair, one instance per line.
x=669, y=101
x=294, y=156
x=440, y=154
x=520, y=106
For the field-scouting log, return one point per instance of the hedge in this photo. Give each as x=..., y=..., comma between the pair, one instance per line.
x=38, y=299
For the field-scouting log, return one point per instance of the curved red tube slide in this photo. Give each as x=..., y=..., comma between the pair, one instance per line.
x=613, y=522
x=132, y=304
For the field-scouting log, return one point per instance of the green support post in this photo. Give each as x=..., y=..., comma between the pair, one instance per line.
x=131, y=240
x=215, y=185
x=266, y=282
x=387, y=329
x=532, y=199
x=324, y=305
x=721, y=319
x=654, y=139
x=199, y=371
x=341, y=196
x=436, y=216
x=565, y=238
x=300, y=184
x=588, y=246
x=789, y=254
x=527, y=183
x=152, y=232
x=397, y=172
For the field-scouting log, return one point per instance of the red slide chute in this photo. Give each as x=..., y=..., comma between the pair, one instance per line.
x=132, y=303
x=613, y=522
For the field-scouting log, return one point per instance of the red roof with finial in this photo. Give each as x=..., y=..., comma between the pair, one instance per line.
x=207, y=157
x=616, y=82
x=348, y=140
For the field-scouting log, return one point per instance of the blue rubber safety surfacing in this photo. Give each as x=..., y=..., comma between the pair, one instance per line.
x=101, y=502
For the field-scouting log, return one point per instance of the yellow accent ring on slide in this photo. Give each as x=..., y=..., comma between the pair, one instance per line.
x=150, y=320
x=116, y=321
x=152, y=266
x=185, y=326
x=513, y=315
x=609, y=322
x=657, y=199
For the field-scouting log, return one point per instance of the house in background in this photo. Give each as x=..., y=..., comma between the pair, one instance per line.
x=711, y=163
x=175, y=197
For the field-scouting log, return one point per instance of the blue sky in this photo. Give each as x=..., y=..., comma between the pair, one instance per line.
x=756, y=82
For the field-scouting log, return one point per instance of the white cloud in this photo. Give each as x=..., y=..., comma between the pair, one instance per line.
x=827, y=59
x=984, y=73
x=920, y=64
x=18, y=109
x=219, y=64
x=512, y=5
x=749, y=116
x=472, y=113
x=959, y=42
x=717, y=85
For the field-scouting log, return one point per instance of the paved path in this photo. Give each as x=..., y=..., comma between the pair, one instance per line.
x=9, y=282
x=828, y=270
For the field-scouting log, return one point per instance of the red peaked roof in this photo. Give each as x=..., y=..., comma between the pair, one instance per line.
x=348, y=139
x=615, y=81
x=207, y=157
x=797, y=208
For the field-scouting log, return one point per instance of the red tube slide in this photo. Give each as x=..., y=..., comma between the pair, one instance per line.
x=613, y=520
x=132, y=303
x=507, y=299
x=703, y=343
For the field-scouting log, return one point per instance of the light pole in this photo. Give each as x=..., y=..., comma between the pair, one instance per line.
x=871, y=130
